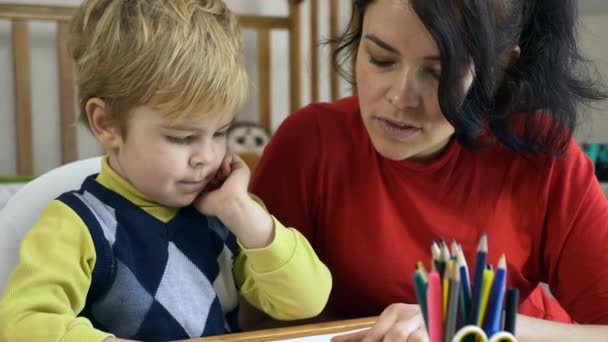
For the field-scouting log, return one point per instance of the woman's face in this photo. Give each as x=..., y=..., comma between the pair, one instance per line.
x=397, y=74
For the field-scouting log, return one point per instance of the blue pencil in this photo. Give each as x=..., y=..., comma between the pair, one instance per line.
x=480, y=266
x=465, y=285
x=494, y=310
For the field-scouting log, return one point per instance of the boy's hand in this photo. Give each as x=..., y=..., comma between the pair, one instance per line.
x=229, y=185
x=227, y=198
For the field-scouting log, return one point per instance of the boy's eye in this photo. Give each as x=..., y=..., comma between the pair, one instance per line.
x=379, y=62
x=180, y=140
x=220, y=134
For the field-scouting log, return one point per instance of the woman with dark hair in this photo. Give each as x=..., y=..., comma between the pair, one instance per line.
x=462, y=125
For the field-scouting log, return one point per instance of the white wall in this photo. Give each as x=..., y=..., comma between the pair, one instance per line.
x=594, y=44
x=45, y=96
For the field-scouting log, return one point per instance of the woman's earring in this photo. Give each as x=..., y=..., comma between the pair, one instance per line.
x=515, y=54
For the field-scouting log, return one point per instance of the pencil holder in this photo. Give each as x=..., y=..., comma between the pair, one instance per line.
x=457, y=307
x=476, y=334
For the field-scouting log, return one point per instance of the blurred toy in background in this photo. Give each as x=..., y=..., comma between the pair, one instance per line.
x=248, y=139
x=598, y=153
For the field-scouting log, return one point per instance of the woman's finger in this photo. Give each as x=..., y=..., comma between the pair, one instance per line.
x=385, y=321
x=402, y=330
x=420, y=335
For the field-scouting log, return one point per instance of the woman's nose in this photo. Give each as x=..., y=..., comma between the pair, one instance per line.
x=405, y=92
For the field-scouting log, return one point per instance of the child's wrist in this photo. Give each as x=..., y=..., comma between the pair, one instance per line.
x=249, y=222
x=233, y=207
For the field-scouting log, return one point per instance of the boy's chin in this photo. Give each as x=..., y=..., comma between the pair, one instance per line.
x=179, y=201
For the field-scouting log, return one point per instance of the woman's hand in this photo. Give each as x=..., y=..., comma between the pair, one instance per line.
x=398, y=322
x=531, y=329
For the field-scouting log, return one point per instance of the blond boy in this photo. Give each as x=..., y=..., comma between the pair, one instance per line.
x=159, y=245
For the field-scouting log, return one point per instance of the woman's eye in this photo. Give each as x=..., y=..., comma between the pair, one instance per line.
x=434, y=73
x=380, y=62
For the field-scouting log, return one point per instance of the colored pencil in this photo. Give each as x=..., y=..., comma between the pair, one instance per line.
x=494, y=309
x=444, y=256
x=512, y=304
x=488, y=278
x=465, y=285
x=452, y=311
x=420, y=267
x=420, y=286
x=436, y=257
x=480, y=266
x=433, y=300
x=446, y=286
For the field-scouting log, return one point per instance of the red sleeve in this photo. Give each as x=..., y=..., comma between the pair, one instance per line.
x=576, y=244
x=287, y=176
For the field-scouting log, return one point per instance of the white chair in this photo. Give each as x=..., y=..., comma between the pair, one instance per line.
x=23, y=208
x=7, y=190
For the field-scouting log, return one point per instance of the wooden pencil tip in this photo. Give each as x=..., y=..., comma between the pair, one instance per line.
x=460, y=258
x=502, y=262
x=483, y=243
x=454, y=247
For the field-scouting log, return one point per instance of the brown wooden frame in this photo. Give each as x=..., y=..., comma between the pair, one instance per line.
x=20, y=14
x=294, y=331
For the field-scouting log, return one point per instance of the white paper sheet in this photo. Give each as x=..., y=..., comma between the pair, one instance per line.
x=318, y=338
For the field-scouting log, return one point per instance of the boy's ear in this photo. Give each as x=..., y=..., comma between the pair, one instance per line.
x=102, y=124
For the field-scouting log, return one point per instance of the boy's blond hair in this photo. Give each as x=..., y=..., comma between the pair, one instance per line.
x=181, y=57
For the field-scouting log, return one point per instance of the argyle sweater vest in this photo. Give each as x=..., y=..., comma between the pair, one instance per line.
x=156, y=281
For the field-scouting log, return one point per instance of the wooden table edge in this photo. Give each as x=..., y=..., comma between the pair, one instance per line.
x=293, y=332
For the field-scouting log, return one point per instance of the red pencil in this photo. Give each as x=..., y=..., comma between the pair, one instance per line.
x=435, y=308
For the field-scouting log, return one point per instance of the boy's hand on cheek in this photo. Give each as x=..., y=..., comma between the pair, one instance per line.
x=228, y=186
x=228, y=200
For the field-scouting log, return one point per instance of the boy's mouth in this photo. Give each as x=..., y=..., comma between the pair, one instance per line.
x=192, y=185
x=192, y=181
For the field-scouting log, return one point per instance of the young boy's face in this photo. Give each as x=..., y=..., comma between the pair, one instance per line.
x=171, y=162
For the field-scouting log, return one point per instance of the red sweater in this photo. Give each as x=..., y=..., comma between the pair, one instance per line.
x=370, y=219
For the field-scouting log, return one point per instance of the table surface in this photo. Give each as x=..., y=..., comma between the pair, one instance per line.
x=293, y=332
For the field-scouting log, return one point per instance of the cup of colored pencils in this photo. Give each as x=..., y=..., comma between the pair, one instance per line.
x=458, y=308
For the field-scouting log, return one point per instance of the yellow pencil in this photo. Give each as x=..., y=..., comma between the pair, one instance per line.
x=488, y=278
x=449, y=269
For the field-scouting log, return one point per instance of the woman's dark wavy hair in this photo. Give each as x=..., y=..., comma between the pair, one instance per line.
x=530, y=104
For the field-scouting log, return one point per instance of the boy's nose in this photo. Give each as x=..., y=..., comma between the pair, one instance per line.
x=202, y=156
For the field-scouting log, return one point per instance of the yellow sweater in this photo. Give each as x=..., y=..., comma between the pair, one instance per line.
x=49, y=286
